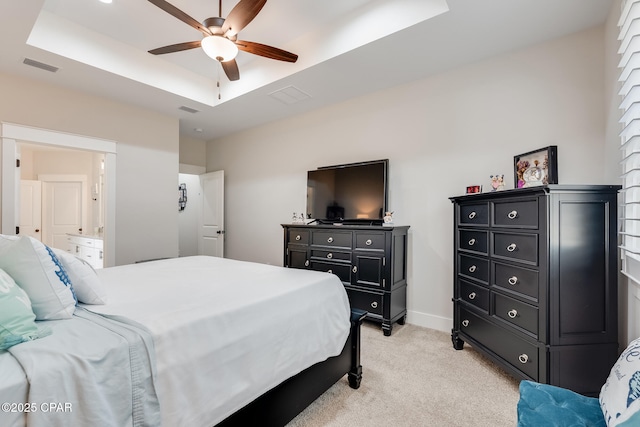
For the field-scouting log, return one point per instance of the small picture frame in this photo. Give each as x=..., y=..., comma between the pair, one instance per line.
x=538, y=167
x=472, y=189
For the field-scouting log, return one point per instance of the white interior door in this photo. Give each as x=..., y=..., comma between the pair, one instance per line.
x=211, y=224
x=31, y=208
x=62, y=211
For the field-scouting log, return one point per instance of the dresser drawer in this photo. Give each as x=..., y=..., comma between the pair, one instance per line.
x=474, y=295
x=520, y=280
x=473, y=241
x=85, y=241
x=474, y=267
x=516, y=312
x=370, y=240
x=298, y=236
x=518, y=214
x=523, y=355
x=369, y=301
x=519, y=247
x=331, y=255
x=474, y=214
x=337, y=239
x=343, y=271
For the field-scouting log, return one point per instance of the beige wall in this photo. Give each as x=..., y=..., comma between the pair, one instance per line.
x=147, y=157
x=441, y=134
x=193, y=151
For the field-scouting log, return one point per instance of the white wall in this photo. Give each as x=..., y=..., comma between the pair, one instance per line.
x=440, y=134
x=147, y=157
x=188, y=218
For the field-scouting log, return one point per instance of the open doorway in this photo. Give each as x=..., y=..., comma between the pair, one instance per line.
x=97, y=190
x=61, y=192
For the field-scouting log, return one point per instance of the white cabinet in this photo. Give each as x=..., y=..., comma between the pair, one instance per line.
x=88, y=248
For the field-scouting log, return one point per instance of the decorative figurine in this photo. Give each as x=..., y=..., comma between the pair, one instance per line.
x=497, y=182
x=388, y=218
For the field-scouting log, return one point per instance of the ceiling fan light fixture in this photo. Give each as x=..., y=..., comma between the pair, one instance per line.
x=219, y=48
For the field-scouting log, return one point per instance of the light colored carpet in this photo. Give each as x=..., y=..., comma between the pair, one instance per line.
x=416, y=378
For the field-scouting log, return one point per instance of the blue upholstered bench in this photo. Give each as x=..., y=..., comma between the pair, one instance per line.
x=618, y=404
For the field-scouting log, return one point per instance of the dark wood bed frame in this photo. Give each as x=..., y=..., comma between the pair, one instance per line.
x=281, y=404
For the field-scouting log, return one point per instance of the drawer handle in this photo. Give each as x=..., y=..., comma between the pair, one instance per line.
x=472, y=242
x=472, y=269
x=374, y=304
x=354, y=269
x=513, y=214
x=368, y=242
x=298, y=237
x=329, y=255
x=513, y=280
x=472, y=215
x=330, y=271
x=465, y=323
x=306, y=263
x=513, y=313
x=512, y=247
x=330, y=239
x=472, y=295
x=523, y=358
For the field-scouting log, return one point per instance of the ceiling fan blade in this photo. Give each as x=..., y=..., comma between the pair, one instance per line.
x=231, y=69
x=266, y=51
x=175, y=48
x=241, y=15
x=174, y=11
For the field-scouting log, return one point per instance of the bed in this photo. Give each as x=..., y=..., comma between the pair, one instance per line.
x=194, y=341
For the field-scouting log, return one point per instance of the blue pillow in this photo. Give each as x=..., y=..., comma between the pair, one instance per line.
x=17, y=320
x=551, y=406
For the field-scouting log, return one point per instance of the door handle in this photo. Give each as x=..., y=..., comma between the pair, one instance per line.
x=220, y=232
x=37, y=230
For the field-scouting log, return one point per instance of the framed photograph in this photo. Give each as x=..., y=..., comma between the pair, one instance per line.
x=474, y=189
x=539, y=167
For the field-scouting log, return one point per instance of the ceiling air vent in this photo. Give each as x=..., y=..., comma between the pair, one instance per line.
x=41, y=65
x=289, y=95
x=188, y=109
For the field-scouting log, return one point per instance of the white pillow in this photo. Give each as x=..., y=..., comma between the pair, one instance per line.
x=620, y=395
x=86, y=284
x=6, y=239
x=37, y=270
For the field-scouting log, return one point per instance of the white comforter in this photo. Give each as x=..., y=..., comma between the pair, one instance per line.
x=226, y=331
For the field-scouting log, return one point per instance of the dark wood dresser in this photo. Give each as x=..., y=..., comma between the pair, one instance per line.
x=371, y=262
x=535, y=282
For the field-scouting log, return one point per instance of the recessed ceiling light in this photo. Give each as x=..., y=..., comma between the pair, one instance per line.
x=198, y=129
x=106, y=1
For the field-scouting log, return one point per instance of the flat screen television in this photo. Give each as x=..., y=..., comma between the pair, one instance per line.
x=350, y=193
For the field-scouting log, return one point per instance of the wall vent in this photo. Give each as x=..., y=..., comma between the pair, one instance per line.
x=188, y=109
x=289, y=95
x=41, y=65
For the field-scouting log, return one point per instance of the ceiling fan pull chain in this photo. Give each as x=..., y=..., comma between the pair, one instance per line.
x=218, y=81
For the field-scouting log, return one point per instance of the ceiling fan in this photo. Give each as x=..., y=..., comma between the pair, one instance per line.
x=220, y=40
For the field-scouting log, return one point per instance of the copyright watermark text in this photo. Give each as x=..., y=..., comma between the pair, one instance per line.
x=54, y=407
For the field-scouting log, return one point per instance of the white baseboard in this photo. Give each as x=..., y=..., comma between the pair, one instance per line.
x=430, y=321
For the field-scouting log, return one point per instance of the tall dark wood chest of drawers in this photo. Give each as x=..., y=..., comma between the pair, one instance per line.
x=371, y=262
x=535, y=282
